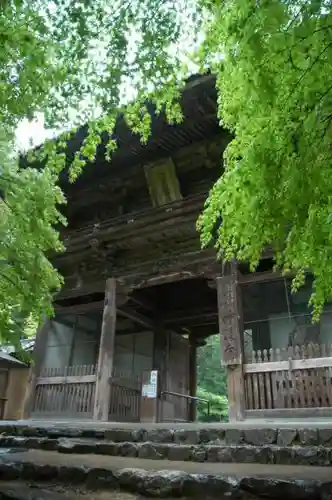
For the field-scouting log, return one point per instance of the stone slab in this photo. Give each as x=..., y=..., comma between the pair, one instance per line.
x=212, y=451
x=175, y=479
x=49, y=458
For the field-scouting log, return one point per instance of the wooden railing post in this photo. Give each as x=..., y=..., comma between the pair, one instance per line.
x=192, y=378
x=35, y=368
x=106, y=354
x=231, y=339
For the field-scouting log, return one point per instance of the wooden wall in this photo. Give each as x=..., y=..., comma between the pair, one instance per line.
x=15, y=393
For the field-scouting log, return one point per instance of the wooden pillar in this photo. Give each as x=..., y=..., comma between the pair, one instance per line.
x=192, y=378
x=231, y=339
x=35, y=368
x=106, y=354
x=160, y=353
x=160, y=363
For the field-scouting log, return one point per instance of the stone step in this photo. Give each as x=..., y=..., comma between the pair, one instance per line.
x=196, y=435
x=186, y=480
x=208, y=452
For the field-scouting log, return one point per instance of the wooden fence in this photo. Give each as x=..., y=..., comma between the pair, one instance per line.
x=296, y=377
x=67, y=392
x=125, y=397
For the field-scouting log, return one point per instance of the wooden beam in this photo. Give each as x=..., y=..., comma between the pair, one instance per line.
x=164, y=278
x=260, y=277
x=129, y=226
x=194, y=264
x=289, y=414
x=187, y=315
x=143, y=302
x=106, y=354
x=71, y=379
x=134, y=316
x=35, y=368
x=79, y=308
x=73, y=290
x=197, y=263
x=289, y=365
x=120, y=325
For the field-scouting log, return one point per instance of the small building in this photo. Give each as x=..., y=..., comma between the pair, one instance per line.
x=140, y=294
x=13, y=384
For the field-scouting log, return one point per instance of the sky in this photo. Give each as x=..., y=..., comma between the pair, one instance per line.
x=30, y=134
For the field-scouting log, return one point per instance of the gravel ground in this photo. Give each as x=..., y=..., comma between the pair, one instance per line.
x=100, y=495
x=75, y=493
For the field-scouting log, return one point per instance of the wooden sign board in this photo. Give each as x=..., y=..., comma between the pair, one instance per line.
x=149, y=396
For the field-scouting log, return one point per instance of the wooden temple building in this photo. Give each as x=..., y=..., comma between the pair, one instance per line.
x=141, y=296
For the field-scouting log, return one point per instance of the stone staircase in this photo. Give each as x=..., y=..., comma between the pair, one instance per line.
x=217, y=462
x=283, y=446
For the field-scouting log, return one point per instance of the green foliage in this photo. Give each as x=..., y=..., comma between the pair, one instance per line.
x=211, y=374
x=275, y=94
x=27, y=218
x=73, y=62
x=215, y=411
x=211, y=381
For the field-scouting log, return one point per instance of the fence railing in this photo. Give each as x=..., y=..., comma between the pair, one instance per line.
x=124, y=402
x=181, y=411
x=66, y=392
x=69, y=371
x=69, y=392
x=307, y=351
x=295, y=377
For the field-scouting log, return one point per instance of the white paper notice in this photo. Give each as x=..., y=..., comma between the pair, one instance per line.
x=149, y=391
x=153, y=377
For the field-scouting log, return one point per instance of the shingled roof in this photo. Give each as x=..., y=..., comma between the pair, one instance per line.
x=199, y=106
